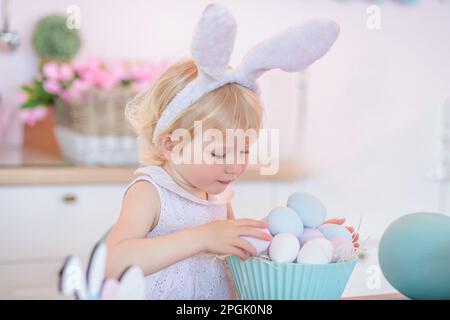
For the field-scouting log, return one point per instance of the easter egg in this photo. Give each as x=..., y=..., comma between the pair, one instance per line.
x=331, y=230
x=284, y=247
x=110, y=289
x=309, y=208
x=309, y=234
x=316, y=251
x=284, y=219
x=414, y=255
x=259, y=244
x=343, y=249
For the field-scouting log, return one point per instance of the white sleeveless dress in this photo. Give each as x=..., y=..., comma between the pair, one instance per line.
x=204, y=276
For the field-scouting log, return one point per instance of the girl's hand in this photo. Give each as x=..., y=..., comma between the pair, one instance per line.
x=223, y=237
x=355, y=236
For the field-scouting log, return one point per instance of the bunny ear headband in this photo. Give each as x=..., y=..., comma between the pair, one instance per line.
x=291, y=50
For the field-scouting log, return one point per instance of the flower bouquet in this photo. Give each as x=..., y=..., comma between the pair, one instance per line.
x=88, y=98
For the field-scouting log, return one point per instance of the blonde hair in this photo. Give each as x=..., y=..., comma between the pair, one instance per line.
x=231, y=106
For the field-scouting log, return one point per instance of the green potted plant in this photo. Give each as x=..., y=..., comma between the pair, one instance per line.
x=54, y=41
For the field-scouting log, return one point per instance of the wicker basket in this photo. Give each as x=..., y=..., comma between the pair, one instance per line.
x=93, y=130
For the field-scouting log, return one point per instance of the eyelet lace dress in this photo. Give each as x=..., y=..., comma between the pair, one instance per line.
x=204, y=276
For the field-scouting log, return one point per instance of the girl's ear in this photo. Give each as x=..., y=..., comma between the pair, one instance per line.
x=165, y=145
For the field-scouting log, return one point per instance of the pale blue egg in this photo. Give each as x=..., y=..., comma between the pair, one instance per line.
x=331, y=230
x=309, y=208
x=284, y=219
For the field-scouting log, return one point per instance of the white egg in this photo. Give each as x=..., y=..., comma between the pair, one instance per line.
x=259, y=244
x=309, y=234
x=316, y=251
x=284, y=247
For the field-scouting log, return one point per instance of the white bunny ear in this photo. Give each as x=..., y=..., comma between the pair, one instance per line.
x=96, y=269
x=292, y=50
x=213, y=41
x=132, y=284
x=72, y=279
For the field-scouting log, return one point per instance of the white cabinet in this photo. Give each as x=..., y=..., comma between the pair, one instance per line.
x=40, y=225
x=33, y=279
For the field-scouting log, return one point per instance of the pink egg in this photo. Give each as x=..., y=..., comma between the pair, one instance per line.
x=343, y=248
x=110, y=289
x=309, y=234
x=259, y=244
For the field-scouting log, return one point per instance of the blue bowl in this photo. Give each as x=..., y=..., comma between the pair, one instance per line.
x=260, y=279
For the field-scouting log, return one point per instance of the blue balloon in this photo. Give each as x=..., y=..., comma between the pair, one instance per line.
x=284, y=219
x=414, y=255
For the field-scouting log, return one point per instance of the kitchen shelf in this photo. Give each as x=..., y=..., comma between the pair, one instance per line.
x=25, y=167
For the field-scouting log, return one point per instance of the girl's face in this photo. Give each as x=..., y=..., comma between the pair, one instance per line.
x=219, y=166
x=210, y=178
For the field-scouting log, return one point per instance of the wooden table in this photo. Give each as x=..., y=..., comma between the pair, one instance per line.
x=387, y=296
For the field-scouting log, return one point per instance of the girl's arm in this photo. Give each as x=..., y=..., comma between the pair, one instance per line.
x=128, y=243
x=230, y=212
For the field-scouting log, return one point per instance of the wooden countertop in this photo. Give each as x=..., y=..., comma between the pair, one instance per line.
x=25, y=167
x=387, y=296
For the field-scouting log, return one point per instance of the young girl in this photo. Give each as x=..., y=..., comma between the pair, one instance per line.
x=176, y=218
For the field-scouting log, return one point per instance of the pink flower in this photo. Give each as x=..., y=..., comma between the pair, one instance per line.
x=147, y=72
x=69, y=95
x=75, y=91
x=118, y=69
x=86, y=66
x=106, y=81
x=100, y=78
x=21, y=98
x=31, y=116
x=65, y=72
x=89, y=76
x=80, y=85
x=51, y=70
x=52, y=86
x=109, y=74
